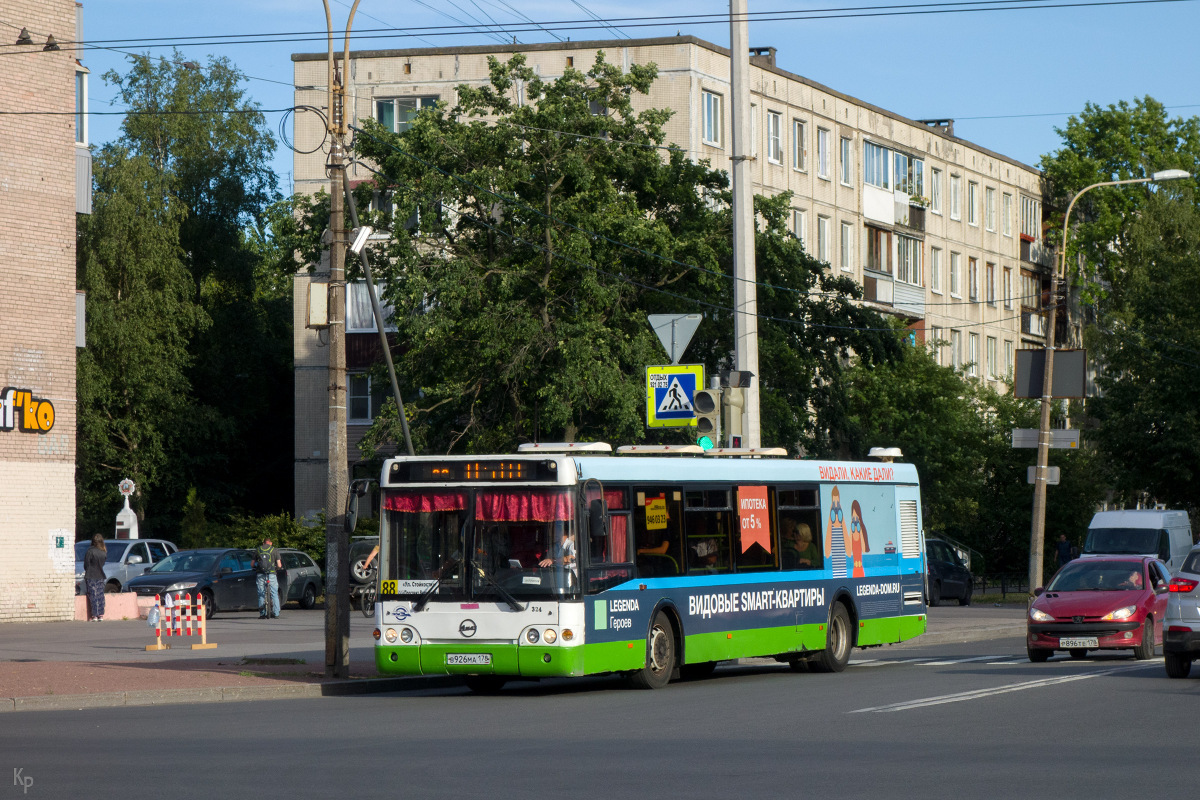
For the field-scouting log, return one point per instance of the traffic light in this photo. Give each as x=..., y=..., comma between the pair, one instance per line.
x=707, y=404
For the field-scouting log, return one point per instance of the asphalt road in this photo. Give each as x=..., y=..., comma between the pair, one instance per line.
x=972, y=720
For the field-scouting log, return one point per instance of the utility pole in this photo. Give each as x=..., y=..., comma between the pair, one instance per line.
x=337, y=546
x=745, y=296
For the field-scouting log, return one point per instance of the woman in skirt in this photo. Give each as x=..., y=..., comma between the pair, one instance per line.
x=93, y=577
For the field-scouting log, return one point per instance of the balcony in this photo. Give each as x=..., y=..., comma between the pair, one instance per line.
x=878, y=287
x=910, y=216
x=1036, y=252
x=909, y=299
x=1032, y=322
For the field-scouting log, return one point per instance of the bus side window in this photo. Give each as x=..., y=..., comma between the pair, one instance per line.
x=800, y=538
x=657, y=519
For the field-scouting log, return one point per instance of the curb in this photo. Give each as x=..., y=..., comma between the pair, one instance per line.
x=162, y=697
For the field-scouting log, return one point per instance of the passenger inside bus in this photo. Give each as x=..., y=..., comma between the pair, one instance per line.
x=798, y=548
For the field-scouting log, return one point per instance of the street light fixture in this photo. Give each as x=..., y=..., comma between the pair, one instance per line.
x=1038, y=533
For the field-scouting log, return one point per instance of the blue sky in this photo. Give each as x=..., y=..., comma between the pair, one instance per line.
x=1008, y=78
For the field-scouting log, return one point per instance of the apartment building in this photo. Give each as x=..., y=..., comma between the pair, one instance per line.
x=42, y=160
x=941, y=233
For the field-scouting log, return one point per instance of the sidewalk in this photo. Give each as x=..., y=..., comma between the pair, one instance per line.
x=72, y=665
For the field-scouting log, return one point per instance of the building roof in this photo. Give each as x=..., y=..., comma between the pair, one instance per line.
x=612, y=44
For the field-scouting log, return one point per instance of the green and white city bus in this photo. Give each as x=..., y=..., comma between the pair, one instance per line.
x=654, y=562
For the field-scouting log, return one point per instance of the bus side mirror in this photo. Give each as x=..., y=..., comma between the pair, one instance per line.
x=596, y=519
x=352, y=512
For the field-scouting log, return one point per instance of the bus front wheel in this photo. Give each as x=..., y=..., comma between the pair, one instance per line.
x=836, y=654
x=660, y=655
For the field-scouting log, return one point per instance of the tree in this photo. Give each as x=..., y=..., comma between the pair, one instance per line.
x=539, y=234
x=1138, y=247
x=194, y=126
x=132, y=376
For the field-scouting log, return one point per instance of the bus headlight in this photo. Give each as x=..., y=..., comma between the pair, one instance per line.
x=406, y=635
x=550, y=636
x=568, y=634
x=531, y=636
x=390, y=635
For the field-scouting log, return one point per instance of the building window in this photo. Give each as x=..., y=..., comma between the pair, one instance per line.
x=973, y=279
x=753, y=129
x=956, y=349
x=1006, y=214
x=1031, y=296
x=991, y=357
x=935, y=341
x=775, y=137
x=908, y=260
x=972, y=203
x=990, y=288
x=822, y=153
x=364, y=398
x=846, y=164
x=935, y=191
x=954, y=287
x=799, y=145
x=711, y=102
x=398, y=113
x=846, y=255
x=823, y=239
x=879, y=250
x=1008, y=287
x=876, y=169
x=955, y=197
x=81, y=86
x=1031, y=218
x=935, y=269
x=910, y=175
x=989, y=210
x=1008, y=360
x=360, y=318
x=973, y=355
x=800, y=227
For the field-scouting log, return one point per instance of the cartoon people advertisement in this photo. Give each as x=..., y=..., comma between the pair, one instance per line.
x=846, y=538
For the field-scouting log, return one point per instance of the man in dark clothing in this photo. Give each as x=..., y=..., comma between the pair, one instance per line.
x=1064, y=550
x=266, y=561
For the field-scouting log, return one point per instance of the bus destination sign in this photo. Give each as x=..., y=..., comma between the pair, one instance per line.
x=484, y=470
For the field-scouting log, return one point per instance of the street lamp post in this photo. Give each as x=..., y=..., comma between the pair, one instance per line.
x=1038, y=533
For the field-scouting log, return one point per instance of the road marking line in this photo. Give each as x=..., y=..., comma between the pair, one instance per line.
x=955, y=661
x=982, y=693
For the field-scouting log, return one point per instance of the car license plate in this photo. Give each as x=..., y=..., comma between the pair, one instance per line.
x=1079, y=641
x=472, y=659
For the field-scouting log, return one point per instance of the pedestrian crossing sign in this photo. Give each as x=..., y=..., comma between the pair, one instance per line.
x=671, y=393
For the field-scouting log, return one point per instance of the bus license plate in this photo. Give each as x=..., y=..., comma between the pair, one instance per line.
x=472, y=659
x=1079, y=641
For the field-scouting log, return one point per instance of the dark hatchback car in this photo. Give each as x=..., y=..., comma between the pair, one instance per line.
x=300, y=579
x=222, y=577
x=948, y=575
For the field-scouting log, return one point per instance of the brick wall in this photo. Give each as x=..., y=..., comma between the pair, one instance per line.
x=37, y=314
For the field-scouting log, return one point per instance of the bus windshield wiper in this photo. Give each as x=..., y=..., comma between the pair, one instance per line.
x=424, y=598
x=500, y=590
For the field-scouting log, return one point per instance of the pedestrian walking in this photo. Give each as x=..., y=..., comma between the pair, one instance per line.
x=1064, y=550
x=93, y=577
x=266, y=561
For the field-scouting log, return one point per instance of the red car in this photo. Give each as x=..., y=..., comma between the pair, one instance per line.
x=1100, y=603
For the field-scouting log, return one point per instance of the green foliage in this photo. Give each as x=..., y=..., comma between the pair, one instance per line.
x=1139, y=246
x=133, y=386
x=283, y=529
x=186, y=383
x=522, y=315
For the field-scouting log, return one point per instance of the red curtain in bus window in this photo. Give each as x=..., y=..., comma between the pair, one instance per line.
x=416, y=502
x=518, y=506
x=618, y=525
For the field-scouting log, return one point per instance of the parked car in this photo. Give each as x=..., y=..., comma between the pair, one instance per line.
x=359, y=550
x=222, y=577
x=947, y=575
x=127, y=558
x=1181, y=637
x=300, y=579
x=1100, y=603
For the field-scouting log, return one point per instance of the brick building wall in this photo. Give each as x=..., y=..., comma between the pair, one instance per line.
x=37, y=313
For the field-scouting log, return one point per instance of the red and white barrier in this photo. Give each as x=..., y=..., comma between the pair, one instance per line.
x=176, y=615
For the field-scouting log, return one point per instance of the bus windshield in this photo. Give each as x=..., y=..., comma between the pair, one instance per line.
x=480, y=544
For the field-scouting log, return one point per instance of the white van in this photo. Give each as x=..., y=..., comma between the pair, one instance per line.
x=1165, y=535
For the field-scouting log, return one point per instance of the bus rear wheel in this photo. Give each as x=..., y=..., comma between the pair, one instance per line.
x=836, y=654
x=660, y=655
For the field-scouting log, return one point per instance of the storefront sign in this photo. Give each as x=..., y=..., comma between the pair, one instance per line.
x=20, y=409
